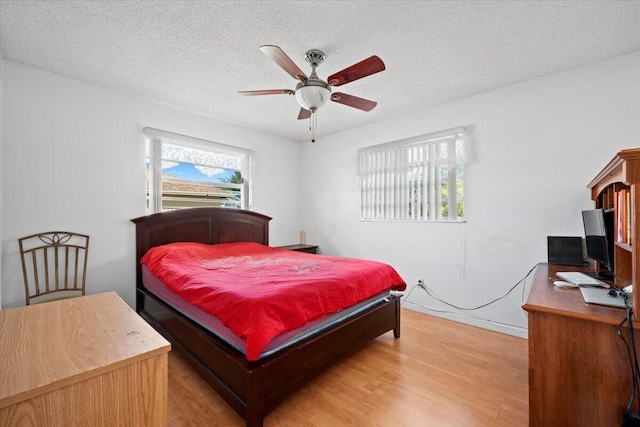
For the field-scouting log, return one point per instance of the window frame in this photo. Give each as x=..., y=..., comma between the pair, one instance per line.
x=403, y=180
x=156, y=138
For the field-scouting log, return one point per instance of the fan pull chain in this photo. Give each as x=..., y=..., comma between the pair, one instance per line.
x=313, y=124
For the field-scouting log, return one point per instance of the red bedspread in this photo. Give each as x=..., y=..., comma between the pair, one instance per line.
x=259, y=292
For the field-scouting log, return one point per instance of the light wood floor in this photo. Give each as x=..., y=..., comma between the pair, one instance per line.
x=439, y=373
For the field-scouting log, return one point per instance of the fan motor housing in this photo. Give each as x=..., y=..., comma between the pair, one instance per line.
x=314, y=57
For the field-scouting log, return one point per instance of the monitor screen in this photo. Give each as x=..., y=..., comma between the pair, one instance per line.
x=598, y=231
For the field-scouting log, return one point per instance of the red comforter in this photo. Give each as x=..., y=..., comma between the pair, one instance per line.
x=259, y=292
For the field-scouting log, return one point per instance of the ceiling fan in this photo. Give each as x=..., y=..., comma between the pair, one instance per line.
x=312, y=92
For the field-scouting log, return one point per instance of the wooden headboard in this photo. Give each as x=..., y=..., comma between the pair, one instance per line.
x=204, y=225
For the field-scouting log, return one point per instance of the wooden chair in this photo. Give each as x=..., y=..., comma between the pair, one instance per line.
x=54, y=265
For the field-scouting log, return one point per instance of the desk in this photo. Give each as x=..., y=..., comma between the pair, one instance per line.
x=81, y=361
x=579, y=372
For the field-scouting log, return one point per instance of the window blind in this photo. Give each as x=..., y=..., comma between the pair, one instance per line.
x=418, y=178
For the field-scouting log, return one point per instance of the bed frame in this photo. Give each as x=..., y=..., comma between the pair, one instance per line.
x=252, y=389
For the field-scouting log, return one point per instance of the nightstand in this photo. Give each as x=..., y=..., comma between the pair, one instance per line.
x=311, y=249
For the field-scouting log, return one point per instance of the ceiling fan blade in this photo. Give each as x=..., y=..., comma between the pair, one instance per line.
x=266, y=92
x=304, y=114
x=357, y=71
x=281, y=58
x=353, y=101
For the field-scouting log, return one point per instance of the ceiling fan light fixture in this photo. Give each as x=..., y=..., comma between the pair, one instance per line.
x=312, y=96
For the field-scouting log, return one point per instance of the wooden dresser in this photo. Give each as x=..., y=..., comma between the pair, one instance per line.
x=87, y=361
x=579, y=373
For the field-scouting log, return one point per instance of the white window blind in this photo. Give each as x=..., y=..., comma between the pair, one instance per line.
x=418, y=178
x=166, y=150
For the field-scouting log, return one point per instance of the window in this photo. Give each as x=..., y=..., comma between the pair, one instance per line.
x=418, y=178
x=184, y=172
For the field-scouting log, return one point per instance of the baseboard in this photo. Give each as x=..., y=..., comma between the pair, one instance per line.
x=517, y=331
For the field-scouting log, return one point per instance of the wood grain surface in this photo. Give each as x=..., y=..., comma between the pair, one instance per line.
x=89, y=358
x=439, y=373
x=579, y=372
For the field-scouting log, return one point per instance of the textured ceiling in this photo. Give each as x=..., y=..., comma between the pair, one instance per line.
x=197, y=55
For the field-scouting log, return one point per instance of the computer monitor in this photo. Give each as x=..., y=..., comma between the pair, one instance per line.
x=598, y=232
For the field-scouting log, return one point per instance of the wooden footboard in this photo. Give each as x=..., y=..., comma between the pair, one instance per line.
x=253, y=389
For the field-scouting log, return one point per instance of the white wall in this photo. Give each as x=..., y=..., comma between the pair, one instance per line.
x=533, y=146
x=74, y=159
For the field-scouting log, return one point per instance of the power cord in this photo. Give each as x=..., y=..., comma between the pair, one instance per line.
x=630, y=418
x=433, y=295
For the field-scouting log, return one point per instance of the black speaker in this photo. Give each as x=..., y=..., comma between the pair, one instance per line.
x=565, y=250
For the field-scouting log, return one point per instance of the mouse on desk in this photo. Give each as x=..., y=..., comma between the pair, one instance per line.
x=562, y=284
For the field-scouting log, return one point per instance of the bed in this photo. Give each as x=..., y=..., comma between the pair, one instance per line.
x=251, y=388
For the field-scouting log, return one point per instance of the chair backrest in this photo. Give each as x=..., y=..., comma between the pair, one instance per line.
x=54, y=262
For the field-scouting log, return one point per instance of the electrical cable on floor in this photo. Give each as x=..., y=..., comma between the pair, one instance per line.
x=631, y=418
x=406, y=297
x=431, y=293
x=468, y=316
